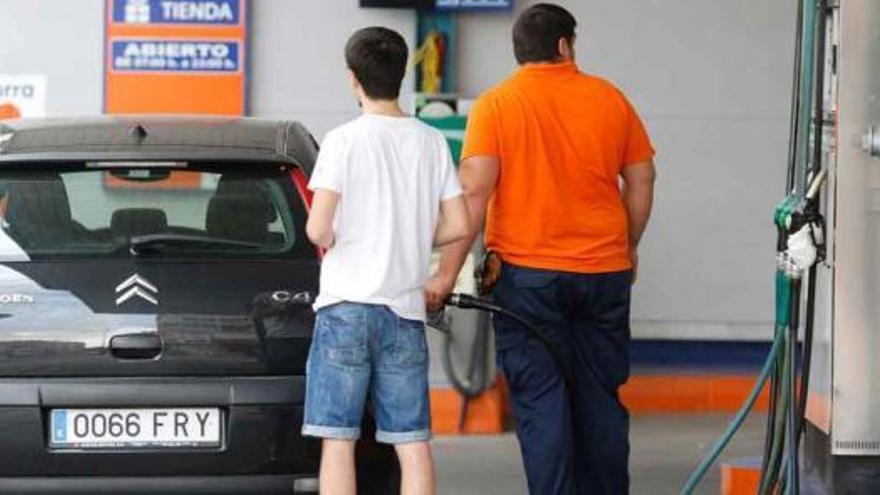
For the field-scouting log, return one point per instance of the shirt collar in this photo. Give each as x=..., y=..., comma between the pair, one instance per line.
x=551, y=69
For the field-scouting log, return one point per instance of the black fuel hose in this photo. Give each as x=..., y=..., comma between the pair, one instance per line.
x=465, y=301
x=470, y=390
x=818, y=135
x=806, y=362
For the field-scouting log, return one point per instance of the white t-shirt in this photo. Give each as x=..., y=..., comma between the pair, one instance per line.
x=391, y=174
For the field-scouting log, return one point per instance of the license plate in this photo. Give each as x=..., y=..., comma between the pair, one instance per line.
x=135, y=428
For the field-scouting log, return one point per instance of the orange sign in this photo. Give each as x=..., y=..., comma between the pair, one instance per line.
x=176, y=56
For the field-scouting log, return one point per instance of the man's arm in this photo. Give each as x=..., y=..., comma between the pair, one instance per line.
x=453, y=225
x=638, y=198
x=478, y=176
x=319, y=227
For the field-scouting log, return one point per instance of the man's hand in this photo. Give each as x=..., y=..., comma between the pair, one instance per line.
x=437, y=290
x=638, y=198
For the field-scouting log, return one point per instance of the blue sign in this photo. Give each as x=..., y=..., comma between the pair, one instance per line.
x=474, y=4
x=133, y=55
x=202, y=12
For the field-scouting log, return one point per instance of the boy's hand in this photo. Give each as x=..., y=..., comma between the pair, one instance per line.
x=437, y=290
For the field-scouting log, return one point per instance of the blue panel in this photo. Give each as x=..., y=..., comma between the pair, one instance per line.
x=203, y=12
x=674, y=356
x=59, y=425
x=134, y=55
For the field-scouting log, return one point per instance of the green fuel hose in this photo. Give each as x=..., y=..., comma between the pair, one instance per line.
x=771, y=464
x=808, y=62
x=737, y=422
x=777, y=445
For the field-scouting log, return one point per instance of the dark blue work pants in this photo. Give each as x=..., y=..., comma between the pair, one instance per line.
x=580, y=447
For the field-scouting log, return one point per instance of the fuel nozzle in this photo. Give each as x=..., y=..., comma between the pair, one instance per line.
x=801, y=230
x=465, y=301
x=438, y=319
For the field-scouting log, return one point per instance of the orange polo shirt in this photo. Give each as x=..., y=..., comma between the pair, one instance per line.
x=562, y=138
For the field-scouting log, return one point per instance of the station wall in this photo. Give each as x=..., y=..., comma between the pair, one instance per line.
x=710, y=78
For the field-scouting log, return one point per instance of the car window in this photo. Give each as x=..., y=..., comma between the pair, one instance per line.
x=153, y=212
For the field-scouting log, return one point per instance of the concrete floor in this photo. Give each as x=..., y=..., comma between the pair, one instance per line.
x=664, y=450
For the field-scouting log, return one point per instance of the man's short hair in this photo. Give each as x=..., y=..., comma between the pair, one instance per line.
x=537, y=31
x=377, y=57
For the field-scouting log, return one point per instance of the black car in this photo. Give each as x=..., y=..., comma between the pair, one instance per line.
x=155, y=319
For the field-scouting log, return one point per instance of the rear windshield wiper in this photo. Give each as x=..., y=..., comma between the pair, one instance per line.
x=156, y=241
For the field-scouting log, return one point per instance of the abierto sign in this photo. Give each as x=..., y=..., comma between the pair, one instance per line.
x=176, y=56
x=22, y=96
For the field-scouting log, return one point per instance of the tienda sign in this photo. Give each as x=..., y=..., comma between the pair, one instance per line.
x=218, y=12
x=176, y=56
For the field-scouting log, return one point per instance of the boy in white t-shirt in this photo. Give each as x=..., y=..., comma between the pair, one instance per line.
x=386, y=193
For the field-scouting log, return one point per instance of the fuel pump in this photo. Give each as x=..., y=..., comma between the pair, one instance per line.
x=800, y=245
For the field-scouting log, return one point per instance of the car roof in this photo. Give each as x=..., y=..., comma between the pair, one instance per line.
x=179, y=138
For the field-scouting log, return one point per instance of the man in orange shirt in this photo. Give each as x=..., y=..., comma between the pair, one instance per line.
x=559, y=165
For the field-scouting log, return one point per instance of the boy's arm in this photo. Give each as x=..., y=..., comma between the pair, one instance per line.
x=454, y=223
x=319, y=227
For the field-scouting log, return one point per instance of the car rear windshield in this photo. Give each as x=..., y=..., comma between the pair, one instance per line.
x=163, y=210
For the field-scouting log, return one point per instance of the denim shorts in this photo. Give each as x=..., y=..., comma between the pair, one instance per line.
x=365, y=354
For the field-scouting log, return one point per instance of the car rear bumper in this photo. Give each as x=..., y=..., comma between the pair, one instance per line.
x=275, y=484
x=262, y=417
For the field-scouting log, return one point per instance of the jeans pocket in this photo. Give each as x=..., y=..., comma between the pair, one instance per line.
x=342, y=335
x=410, y=344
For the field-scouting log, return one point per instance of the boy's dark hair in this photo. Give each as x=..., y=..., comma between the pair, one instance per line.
x=377, y=57
x=537, y=31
